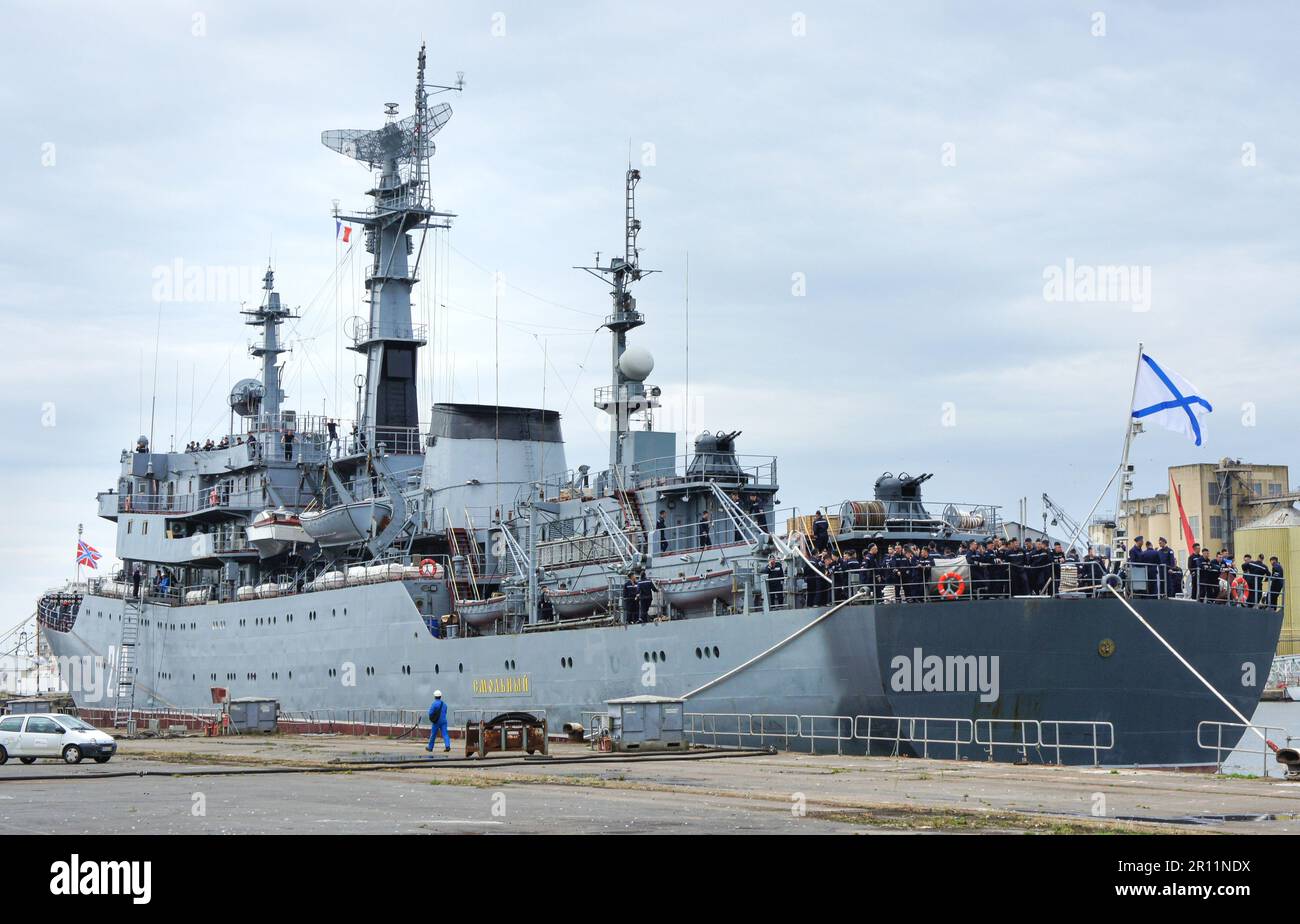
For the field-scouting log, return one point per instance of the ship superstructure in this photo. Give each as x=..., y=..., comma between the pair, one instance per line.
x=364, y=563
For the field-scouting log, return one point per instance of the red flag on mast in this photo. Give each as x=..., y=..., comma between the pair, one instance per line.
x=1182, y=515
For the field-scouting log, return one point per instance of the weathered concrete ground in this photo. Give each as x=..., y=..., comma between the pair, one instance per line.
x=777, y=793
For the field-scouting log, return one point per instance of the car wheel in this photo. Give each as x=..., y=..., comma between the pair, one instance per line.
x=103, y=760
x=4, y=755
x=72, y=754
x=28, y=760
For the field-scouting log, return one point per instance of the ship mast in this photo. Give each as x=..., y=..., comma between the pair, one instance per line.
x=269, y=316
x=399, y=154
x=626, y=394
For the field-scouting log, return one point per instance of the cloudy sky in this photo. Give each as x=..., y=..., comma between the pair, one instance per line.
x=871, y=196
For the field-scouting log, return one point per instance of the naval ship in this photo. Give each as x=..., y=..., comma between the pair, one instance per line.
x=367, y=563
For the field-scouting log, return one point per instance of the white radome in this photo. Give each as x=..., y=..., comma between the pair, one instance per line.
x=636, y=364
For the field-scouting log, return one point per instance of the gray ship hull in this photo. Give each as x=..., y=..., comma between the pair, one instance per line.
x=1043, y=660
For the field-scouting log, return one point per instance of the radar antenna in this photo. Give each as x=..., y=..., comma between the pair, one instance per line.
x=399, y=152
x=627, y=393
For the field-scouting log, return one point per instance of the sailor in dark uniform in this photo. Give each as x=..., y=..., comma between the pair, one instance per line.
x=1015, y=559
x=908, y=572
x=705, y=539
x=924, y=567
x=839, y=575
x=821, y=532
x=1038, y=565
x=758, y=512
x=871, y=571
x=1058, y=558
x=1275, y=581
x=645, y=595
x=1194, y=563
x=1137, y=570
x=545, y=609
x=775, y=582
x=1091, y=572
x=1211, y=569
x=1167, y=562
x=661, y=527
x=973, y=562
x=631, y=600
x=1254, y=572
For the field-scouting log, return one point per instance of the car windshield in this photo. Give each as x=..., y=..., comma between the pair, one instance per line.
x=73, y=722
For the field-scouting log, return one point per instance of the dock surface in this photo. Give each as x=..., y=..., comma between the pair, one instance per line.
x=347, y=785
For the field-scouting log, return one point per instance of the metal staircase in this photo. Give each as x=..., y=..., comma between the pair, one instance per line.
x=124, y=701
x=740, y=518
x=630, y=507
x=621, y=545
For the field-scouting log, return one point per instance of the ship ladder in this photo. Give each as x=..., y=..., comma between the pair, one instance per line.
x=633, y=525
x=124, y=702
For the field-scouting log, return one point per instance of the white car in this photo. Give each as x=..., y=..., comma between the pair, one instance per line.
x=51, y=734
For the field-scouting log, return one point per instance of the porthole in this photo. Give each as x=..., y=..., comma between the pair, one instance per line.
x=663, y=656
x=435, y=668
x=716, y=653
x=460, y=668
x=698, y=653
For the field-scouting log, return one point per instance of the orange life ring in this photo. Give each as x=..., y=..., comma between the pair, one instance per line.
x=429, y=568
x=1239, y=588
x=947, y=591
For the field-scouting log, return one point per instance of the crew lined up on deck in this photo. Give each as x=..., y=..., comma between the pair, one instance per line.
x=1009, y=568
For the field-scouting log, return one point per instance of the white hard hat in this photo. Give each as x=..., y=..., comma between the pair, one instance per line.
x=437, y=694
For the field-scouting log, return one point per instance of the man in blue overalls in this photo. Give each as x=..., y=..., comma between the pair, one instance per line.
x=438, y=722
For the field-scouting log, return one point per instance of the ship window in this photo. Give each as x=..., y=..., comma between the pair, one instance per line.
x=144, y=527
x=698, y=653
x=663, y=656
x=435, y=668
x=129, y=525
x=460, y=668
x=716, y=653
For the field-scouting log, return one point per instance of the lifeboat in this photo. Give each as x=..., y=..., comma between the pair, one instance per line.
x=578, y=602
x=480, y=613
x=347, y=524
x=274, y=532
x=697, y=590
